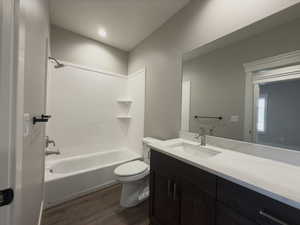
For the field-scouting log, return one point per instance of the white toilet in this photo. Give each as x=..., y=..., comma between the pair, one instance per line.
x=134, y=178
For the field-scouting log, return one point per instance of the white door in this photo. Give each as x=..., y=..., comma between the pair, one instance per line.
x=34, y=55
x=23, y=63
x=6, y=105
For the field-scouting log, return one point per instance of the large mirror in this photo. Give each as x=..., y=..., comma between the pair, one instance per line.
x=248, y=89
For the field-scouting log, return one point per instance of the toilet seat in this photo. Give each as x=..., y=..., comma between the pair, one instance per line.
x=131, y=168
x=132, y=171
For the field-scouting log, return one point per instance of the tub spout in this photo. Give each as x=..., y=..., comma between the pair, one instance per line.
x=52, y=152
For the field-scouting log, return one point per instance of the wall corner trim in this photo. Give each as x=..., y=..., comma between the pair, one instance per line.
x=142, y=70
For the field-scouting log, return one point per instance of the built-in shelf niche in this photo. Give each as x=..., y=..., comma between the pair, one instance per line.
x=125, y=104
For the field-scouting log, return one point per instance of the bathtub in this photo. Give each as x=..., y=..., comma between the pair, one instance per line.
x=72, y=177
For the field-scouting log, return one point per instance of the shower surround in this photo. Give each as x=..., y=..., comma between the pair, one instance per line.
x=92, y=112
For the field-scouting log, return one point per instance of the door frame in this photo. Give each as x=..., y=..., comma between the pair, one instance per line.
x=281, y=67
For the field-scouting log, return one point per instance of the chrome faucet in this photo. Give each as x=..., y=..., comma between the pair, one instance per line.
x=202, y=136
x=48, y=143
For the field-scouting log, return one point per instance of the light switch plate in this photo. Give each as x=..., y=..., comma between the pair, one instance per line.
x=27, y=124
x=234, y=119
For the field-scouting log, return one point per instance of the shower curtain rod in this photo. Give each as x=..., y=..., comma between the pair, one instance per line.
x=85, y=68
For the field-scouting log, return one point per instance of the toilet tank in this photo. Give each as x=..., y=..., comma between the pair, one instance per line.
x=146, y=148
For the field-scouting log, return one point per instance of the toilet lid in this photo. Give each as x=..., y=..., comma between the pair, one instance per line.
x=131, y=168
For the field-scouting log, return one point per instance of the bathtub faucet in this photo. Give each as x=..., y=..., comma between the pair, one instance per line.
x=51, y=152
x=49, y=142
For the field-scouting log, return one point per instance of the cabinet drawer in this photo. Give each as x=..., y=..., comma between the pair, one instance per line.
x=226, y=216
x=171, y=167
x=257, y=207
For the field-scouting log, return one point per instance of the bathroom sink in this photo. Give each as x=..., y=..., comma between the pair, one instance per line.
x=192, y=150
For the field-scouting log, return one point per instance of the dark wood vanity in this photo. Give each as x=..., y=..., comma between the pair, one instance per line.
x=181, y=194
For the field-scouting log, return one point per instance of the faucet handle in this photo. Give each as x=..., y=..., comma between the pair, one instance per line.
x=197, y=136
x=48, y=142
x=211, y=131
x=203, y=130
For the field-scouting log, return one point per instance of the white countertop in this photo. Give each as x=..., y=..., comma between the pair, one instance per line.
x=277, y=180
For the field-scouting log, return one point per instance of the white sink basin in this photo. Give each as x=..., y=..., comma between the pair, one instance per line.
x=192, y=150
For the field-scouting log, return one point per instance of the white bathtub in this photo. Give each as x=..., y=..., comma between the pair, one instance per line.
x=69, y=178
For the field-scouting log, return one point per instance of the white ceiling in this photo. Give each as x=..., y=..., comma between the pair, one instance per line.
x=127, y=22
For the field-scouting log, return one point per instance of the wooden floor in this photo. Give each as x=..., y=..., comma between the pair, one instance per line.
x=99, y=208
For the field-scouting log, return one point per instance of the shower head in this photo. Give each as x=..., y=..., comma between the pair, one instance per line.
x=58, y=64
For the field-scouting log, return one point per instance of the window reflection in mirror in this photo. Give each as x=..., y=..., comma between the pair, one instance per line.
x=262, y=113
x=278, y=122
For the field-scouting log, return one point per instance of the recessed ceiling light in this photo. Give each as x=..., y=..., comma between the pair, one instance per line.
x=102, y=32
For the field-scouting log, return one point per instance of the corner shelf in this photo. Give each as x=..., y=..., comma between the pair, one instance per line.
x=124, y=106
x=124, y=117
x=124, y=101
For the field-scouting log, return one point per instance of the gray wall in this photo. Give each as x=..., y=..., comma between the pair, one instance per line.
x=218, y=78
x=198, y=24
x=283, y=110
x=74, y=48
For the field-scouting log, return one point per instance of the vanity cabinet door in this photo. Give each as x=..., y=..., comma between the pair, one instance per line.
x=226, y=216
x=164, y=208
x=197, y=207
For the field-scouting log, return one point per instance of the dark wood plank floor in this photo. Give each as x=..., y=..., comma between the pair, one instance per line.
x=99, y=208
